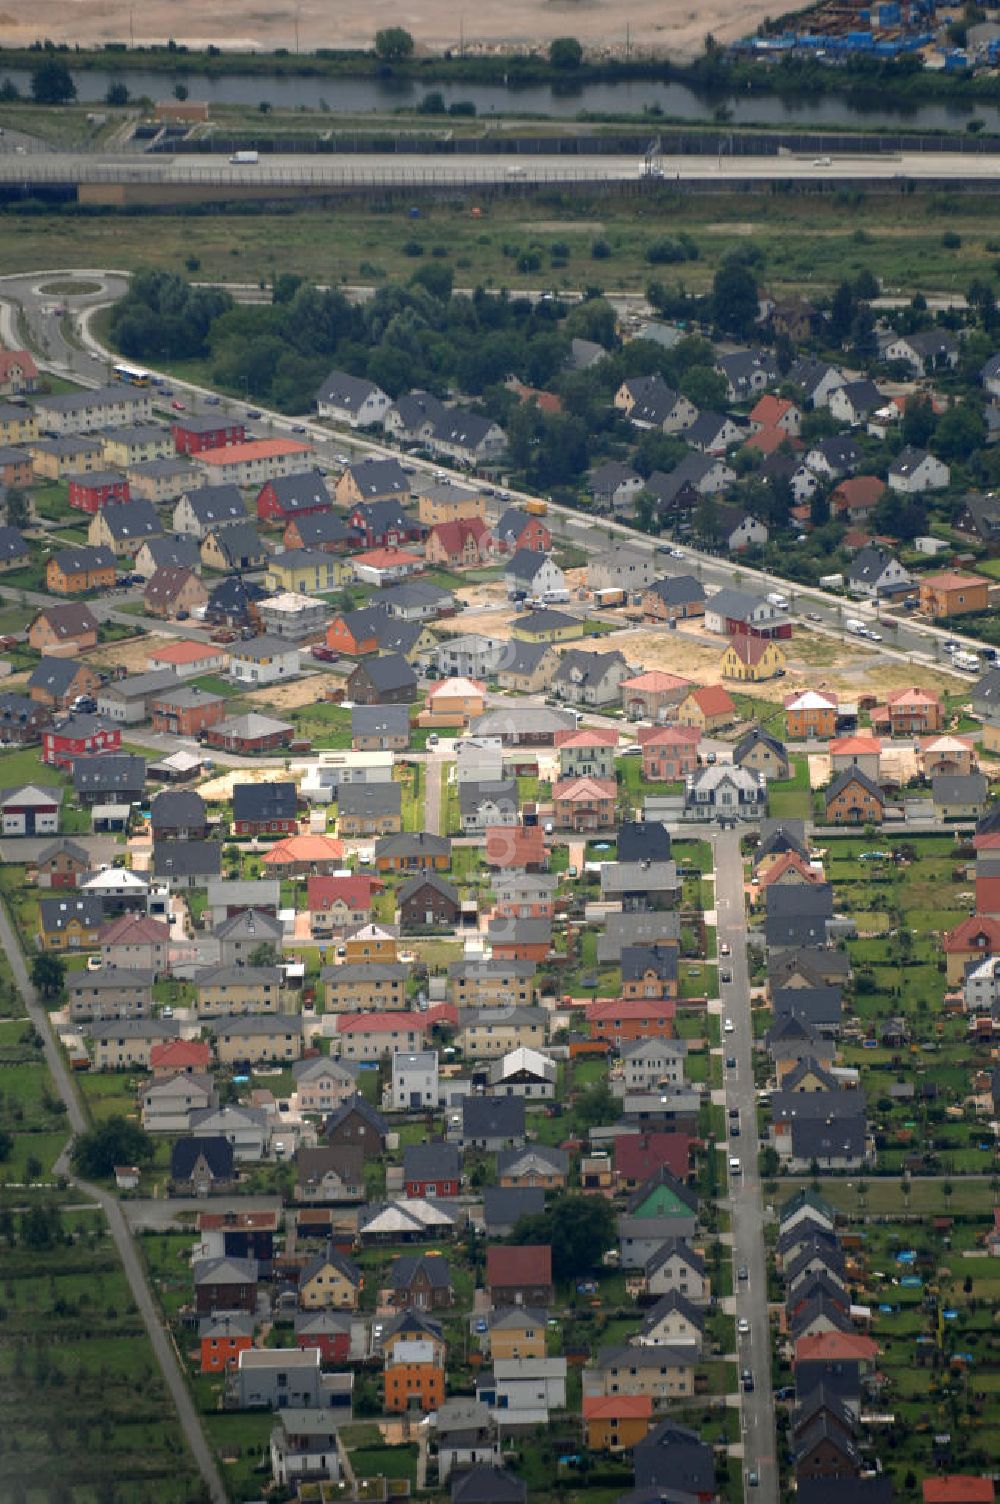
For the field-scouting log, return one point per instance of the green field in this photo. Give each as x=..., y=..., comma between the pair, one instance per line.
x=810, y=240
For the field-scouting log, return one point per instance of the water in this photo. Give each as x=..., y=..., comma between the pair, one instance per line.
x=676, y=101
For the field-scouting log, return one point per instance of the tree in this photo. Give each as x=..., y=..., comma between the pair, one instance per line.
x=115, y=1142
x=918, y=421
x=18, y=509
x=393, y=43
x=48, y=973
x=117, y=93
x=565, y=52
x=958, y=432
x=596, y=1106
x=6, y=1145
x=579, y=1229
x=842, y=310
x=180, y=92
x=52, y=83
x=734, y=298
x=263, y=954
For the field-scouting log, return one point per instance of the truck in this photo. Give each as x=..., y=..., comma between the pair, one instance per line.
x=831, y=581
x=556, y=598
x=855, y=627
x=536, y=508
x=967, y=662
x=244, y=158
x=611, y=595
x=778, y=601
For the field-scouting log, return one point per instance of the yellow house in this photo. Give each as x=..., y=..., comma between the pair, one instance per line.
x=752, y=659
x=249, y=1040
x=18, y=423
x=235, y=991
x=51, y=459
x=371, y=944
x=457, y=699
x=445, y=502
x=516, y=1333
x=137, y=446
x=491, y=1033
x=364, y=987
x=991, y=737
x=330, y=1282
x=546, y=626
x=306, y=571
x=426, y=642
x=474, y=983
x=529, y=668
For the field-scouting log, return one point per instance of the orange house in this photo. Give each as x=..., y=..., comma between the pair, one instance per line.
x=63, y=629
x=810, y=714
x=953, y=593
x=71, y=571
x=413, y=1374
x=908, y=712
x=616, y=1422
x=853, y=799
x=621, y=1020
x=352, y=634
x=222, y=1339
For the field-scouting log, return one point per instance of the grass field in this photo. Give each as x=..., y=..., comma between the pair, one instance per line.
x=810, y=240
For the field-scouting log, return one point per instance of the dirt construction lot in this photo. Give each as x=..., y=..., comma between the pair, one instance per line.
x=674, y=28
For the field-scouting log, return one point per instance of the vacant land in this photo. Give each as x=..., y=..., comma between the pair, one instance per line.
x=810, y=240
x=675, y=29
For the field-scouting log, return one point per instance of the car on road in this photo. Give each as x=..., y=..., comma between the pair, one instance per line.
x=813, y=616
x=725, y=976
x=254, y=412
x=752, y=1479
x=874, y=636
x=298, y=428
x=730, y=1062
x=178, y=406
x=212, y=401
x=734, y=1112
x=743, y=1272
x=734, y=1130
x=677, y=553
x=746, y=1379
x=344, y=459
x=725, y=949
x=729, y=1027
x=735, y=1168
x=743, y=1327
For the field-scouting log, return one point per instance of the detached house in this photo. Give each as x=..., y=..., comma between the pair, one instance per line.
x=914, y=471
x=591, y=679
x=352, y=401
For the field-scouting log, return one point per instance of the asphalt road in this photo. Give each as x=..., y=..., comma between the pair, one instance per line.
x=403, y=169
x=753, y=1348
x=134, y=1272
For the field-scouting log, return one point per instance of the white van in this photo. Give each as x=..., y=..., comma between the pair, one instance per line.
x=734, y=1167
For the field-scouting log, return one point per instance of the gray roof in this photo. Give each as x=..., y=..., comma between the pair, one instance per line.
x=55, y=675
x=493, y=1117
x=238, y=541
x=523, y=657
x=406, y=1268
x=306, y=489
x=262, y=647
x=260, y=1023
x=173, y=550
x=135, y=1028
x=349, y=392
x=380, y=720
x=110, y=772
x=677, y=590
x=431, y=1161
x=264, y=801
x=959, y=788
x=187, y=858
x=240, y=976
x=365, y=971
x=217, y=504
x=248, y=924
x=413, y=843
x=496, y=791
x=503, y=1206
x=133, y=519
x=388, y=673
x=376, y=800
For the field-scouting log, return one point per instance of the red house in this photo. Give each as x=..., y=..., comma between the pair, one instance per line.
x=958, y=1488
x=513, y=847
x=223, y=1338
x=293, y=496
x=329, y=1331
x=193, y=435
x=640, y=1156
x=75, y=737
x=619, y=1020
x=89, y=493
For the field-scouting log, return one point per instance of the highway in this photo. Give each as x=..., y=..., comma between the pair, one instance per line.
x=745, y=1200
x=372, y=170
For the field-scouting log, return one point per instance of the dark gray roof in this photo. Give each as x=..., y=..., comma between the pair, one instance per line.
x=264, y=801
x=216, y=1151
x=487, y=1485
x=492, y=1117
x=636, y=960
x=322, y=527
x=57, y=913
x=677, y=590
x=217, y=504
x=133, y=519
x=503, y=1206
x=238, y=543
x=511, y=526
x=820, y=1007
x=295, y=492
x=413, y=843
x=525, y=564
x=174, y=551
x=431, y=1161
x=389, y=672
x=374, y=478
x=380, y=720
x=421, y=880
x=340, y=389
x=187, y=858
x=12, y=545
x=815, y=1138
x=838, y=784
x=110, y=772
x=409, y=1266
x=54, y=675
x=177, y=807
x=959, y=788
x=675, y=1457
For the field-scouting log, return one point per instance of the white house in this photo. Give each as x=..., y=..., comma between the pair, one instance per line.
x=874, y=572
x=982, y=986
x=246, y=1128
x=263, y=660
x=352, y=400
x=748, y=533
x=534, y=574
x=931, y=349
x=914, y=471
x=855, y=402
x=521, y=1385
x=647, y=1063
x=414, y=1080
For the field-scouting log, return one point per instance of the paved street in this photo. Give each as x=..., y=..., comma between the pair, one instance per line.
x=754, y=1350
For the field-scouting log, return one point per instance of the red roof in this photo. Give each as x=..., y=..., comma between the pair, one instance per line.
x=836, y=1347
x=583, y=789
x=185, y=652
x=859, y=492
x=135, y=928
x=770, y=410
x=712, y=699
x=639, y=1155
x=617, y=1407
x=525, y=1265
x=356, y=892
x=789, y=861
x=442, y=1013
x=180, y=1054
x=965, y=935
x=668, y=736
x=253, y=449
x=304, y=849
x=848, y=746
x=380, y=1023
x=11, y=358
x=452, y=535
x=750, y=649
x=587, y=736
x=655, y=681
x=622, y=1008
x=767, y=440
x=958, y=1488
x=912, y=697
x=514, y=845
x=248, y=1220
x=385, y=558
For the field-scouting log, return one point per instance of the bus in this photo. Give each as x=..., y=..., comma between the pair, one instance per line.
x=134, y=375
